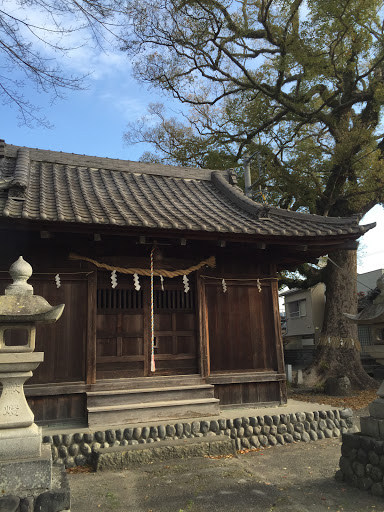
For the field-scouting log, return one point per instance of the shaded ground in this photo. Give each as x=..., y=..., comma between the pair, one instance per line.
x=291, y=478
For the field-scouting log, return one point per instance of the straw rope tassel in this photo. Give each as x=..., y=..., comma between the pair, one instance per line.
x=153, y=367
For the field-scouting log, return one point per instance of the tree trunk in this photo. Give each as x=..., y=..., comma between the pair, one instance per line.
x=338, y=351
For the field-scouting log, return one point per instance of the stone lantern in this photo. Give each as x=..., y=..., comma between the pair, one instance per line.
x=366, y=471
x=373, y=317
x=24, y=462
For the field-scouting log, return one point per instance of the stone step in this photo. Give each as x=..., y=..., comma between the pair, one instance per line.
x=161, y=394
x=148, y=382
x=122, y=457
x=116, y=415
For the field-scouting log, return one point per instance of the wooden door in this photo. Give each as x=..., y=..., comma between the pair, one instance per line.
x=119, y=330
x=175, y=329
x=123, y=335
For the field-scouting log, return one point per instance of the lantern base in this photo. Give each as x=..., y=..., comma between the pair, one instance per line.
x=20, y=443
x=27, y=474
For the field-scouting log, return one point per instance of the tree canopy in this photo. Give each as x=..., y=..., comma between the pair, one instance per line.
x=301, y=83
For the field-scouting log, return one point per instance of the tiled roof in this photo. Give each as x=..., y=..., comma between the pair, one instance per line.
x=39, y=185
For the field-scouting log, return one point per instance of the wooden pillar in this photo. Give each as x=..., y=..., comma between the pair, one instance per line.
x=145, y=283
x=90, y=368
x=203, y=327
x=278, y=336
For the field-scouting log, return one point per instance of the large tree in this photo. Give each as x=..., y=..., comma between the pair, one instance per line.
x=301, y=83
x=35, y=35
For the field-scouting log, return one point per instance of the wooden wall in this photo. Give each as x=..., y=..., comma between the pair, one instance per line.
x=64, y=342
x=241, y=333
x=248, y=393
x=238, y=330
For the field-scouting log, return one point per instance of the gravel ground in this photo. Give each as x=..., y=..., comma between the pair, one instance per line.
x=298, y=477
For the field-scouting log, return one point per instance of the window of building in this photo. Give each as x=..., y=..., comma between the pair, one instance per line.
x=297, y=308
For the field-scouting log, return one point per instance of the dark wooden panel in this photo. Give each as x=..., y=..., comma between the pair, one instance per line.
x=164, y=345
x=241, y=327
x=58, y=408
x=163, y=322
x=63, y=343
x=240, y=377
x=248, y=393
x=176, y=366
x=186, y=345
x=132, y=345
x=185, y=322
x=106, y=347
x=119, y=369
x=132, y=324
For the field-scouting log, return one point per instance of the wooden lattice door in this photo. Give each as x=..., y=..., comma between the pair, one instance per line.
x=175, y=329
x=119, y=330
x=123, y=329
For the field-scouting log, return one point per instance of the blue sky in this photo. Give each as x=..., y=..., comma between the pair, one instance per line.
x=92, y=121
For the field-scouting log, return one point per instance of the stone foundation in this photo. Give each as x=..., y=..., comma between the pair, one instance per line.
x=57, y=498
x=362, y=463
x=247, y=432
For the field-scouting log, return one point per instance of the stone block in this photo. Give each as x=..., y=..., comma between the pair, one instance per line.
x=377, y=489
x=132, y=455
x=339, y=476
x=345, y=466
x=313, y=435
x=17, y=443
x=373, y=458
x=9, y=503
x=263, y=440
x=26, y=474
x=371, y=427
x=338, y=386
x=58, y=498
x=365, y=483
x=26, y=504
x=376, y=408
x=346, y=413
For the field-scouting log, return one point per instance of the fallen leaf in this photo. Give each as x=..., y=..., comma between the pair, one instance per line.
x=359, y=400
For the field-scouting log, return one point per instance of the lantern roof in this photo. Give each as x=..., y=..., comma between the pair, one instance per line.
x=20, y=305
x=372, y=313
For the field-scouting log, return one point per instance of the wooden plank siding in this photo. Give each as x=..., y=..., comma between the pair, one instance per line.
x=206, y=331
x=59, y=408
x=240, y=335
x=248, y=393
x=63, y=343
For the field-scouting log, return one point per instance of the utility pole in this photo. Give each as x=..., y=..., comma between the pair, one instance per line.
x=247, y=175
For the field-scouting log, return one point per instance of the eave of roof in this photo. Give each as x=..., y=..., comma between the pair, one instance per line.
x=63, y=188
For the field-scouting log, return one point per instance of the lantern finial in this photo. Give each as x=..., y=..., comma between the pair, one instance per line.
x=20, y=271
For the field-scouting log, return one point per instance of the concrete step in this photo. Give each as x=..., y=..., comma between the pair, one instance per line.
x=122, y=457
x=116, y=415
x=147, y=382
x=161, y=394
